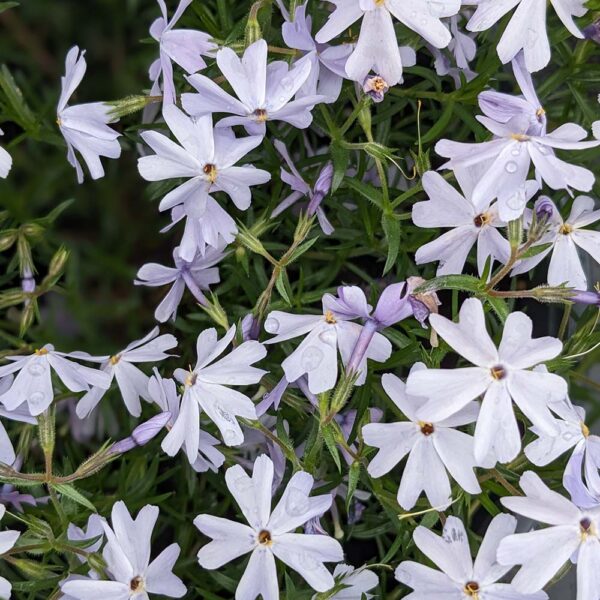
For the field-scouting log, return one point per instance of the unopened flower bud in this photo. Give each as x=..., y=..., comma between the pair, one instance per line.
x=585, y=297
x=375, y=87
x=321, y=188
x=592, y=32
x=142, y=434
x=543, y=211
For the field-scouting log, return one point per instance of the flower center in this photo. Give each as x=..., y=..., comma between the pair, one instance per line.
x=471, y=589
x=539, y=113
x=379, y=2
x=260, y=114
x=426, y=428
x=379, y=84
x=482, y=219
x=498, y=372
x=585, y=430
x=115, y=359
x=520, y=137
x=330, y=318
x=136, y=584
x=587, y=527
x=210, y=171
x=264, y=538
x=191, y=378
x=41, y=352
x=565, y=229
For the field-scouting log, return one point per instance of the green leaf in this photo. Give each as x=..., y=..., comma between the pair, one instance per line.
x=535, y=250
x=499, y=306
x=466, y=283
x=302, y=248
x=370, y=192
x=14, y=98
x=391, y=228
x=329, y=438
x=68, y=490
x=282, y=284
x=6, y=5
x=353, y=477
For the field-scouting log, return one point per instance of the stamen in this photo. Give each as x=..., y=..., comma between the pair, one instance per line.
x=210, y=171
x=482, y=219
x=191, y=378
x=261, y=115
x=472, y=589
x=586, y=527
x=426, y=428
x=115, y=359
x=585, y=430
x=136, y=584
x=520, y=137
x=330, y=318
x=264, y=538
x=41, y=352
x=565, y=229
x=540, y=112
x=498, y=372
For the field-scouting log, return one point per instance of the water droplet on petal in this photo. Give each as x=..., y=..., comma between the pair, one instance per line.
x=511, y=167
x=36, y=369
x=328, y=336
x=224, y=414
x=37, y=399
x=230, y=436
x=272, y=325
x=567, y=436
x=311, y=358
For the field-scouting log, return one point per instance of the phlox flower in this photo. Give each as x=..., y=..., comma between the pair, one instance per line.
x=572, y=535
x=434, y=448
x=8, y=539
x=526, y=29
x=206, y=388
x=164, y=393
x=195, y=275
x=510, y=154
x=377, y=46
x=460, y=578
x=316, y=356
x=328, y=62
x=502, y=375
x=471, y=225
x=21, y=413
x=206, y=158
x=267, y=534
x=573, y=434
x=132, y=382
x=565, y=238
x=356, y=583
x=33, y=382
x=182, y=46
x=84, y=126
x=127, y=557
x=5, y=161
x=264, y=92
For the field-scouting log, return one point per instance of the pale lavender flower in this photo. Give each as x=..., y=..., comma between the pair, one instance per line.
x=356, y=583
x=206, y=158
x=143, y=433
x=206, y=388
x=572, y=535
x=264, y=92
x=268, y=534
x=377, y=46
x=511, y=153
x=460, y=577
x=132, y=383
x=564, y=238
x=5, y=161
x=471, y=224
x=301, y=189
x=8, y=539
x=164, y=393
x=196, y=275
x=84, y=126
x=433, y=446
x=21, y=413
x=502, y=375
x=504, y=107
x=10, y=496
x=328, y=62
x=346, y=421
x=375, y=87
x=33, y=382
x=573, y=434
x=316, y=356
x=273, y=397
x=526, y=29
x=127, y=557
x=182, y=46
x=94, y=529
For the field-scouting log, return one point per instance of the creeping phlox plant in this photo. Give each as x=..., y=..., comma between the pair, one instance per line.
x=323, y=323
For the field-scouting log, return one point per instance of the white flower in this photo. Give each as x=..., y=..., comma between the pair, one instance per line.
x=356, y=582
x=460, y=578
x=164, y=393
x=7, y=541
x=84, y=126
x=564, y=238
x=433, y=447
x=501, y=374
x=470, y=224
x=264, y=92
x=573, y=434
x=206, y=158
x=377, y=46
x=527, y=28
x=572, y=535
x=132, y=383
x=316, y=355
x=182, y=46
x=7, y=451
x=5, y=161
x=33, y=383
x=127, y=557
x=268, y=534
x=205, y=387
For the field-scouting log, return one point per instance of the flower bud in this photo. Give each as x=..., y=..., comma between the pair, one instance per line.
x=127, y=106
x=321, y=188
x=375, y=87
x=543, y=211
x=142, y=434
x=592, y=32
x=585, y=297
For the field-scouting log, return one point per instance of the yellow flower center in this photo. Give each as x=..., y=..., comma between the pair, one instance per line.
x=136, y=584
x=191, y=378
x=330, y=318
x=482, y=219
x=520, y=137
x=426, y=428
x=472, y=589
x=260, y=114
x=115, y=359
x=565, y=229
x=265, y=539
x=498, y=372
x=41, y=352
x=585, y=430
x=210, y=171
